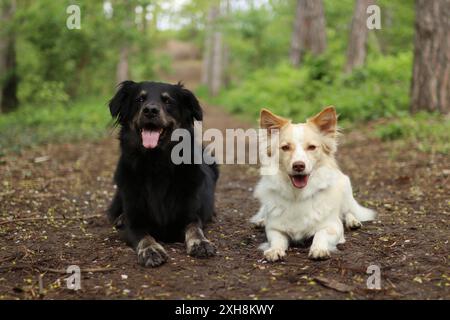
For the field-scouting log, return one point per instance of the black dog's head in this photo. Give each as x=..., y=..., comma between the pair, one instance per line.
x=150, y=111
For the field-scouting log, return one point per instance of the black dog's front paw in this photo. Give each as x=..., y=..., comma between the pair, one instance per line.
x=202, y=249
x=151, y=254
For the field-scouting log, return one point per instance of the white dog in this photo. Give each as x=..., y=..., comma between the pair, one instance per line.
x=308, y=196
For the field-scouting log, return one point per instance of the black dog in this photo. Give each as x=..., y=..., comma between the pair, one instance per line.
x=157, y=199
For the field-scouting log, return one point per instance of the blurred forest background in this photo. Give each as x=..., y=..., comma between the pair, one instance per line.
x=293, y=56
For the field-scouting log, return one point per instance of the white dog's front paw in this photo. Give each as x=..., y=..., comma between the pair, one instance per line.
x=351, y=222
x=259, y=223
x=318, y=253
x=258, y=220
x=274, y=254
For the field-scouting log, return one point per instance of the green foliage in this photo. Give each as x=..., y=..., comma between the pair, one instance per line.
x=50, y=56
x=260, y=37
x=378, y=90
x=75, y=63
x=429, y=133
x=259, y=40
x=30, y=125
x=57, y=65
x=397, y=33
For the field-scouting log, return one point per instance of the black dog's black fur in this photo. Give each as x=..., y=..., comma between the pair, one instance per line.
x=154, y=196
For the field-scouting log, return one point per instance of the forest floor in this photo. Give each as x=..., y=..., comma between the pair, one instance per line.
x=53, y=200
x=52, y=215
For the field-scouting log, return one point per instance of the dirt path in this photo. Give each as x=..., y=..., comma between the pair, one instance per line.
x=409, y=241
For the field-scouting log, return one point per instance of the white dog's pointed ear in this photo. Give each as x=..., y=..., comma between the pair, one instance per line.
x=268, y=120
x=325, y=121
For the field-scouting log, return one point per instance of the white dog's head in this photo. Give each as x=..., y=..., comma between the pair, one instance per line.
x=303, y=147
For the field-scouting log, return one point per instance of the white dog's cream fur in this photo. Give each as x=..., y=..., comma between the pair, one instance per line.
x=292, y=210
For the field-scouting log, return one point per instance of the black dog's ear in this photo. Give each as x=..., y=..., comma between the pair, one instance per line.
x=117, y=103
x=192, y=103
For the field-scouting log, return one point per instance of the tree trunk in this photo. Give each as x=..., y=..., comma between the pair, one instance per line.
x=430, y=88
x=122, y=67
x=357, y=44
x=214, y=55
x=226, y=79
x=309, y=32
x=226, y=50
x=217, y=66
x=207, y=54
x=294, y=55
x=8, y=64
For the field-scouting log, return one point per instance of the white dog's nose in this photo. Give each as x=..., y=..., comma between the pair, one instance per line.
x=298, y=166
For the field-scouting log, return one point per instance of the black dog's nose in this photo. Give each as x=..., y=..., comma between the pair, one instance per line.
x=151, y=111
x=298, y=166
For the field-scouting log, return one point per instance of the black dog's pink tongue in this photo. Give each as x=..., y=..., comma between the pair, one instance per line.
x=150, y=138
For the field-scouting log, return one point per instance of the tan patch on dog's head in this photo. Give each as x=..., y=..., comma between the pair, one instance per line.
x=270, y=121
x=325, y=123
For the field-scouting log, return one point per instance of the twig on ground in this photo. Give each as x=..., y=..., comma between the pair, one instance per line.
x=2, y=222
x=333, y=284
x=14, y=267
x=7, y=259
x=44, y=269
x=83, y=270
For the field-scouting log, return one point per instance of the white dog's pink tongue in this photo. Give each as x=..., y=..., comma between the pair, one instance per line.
x=299, y=181
x=150, y=138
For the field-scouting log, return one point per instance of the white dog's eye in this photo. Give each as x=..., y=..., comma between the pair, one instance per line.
x=311, y=147
x=286, y=147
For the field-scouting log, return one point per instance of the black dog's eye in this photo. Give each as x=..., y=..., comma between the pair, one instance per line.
x=165, y=98
x=141, y=99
